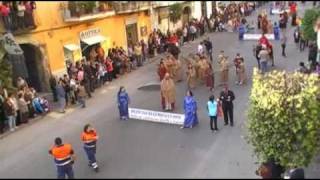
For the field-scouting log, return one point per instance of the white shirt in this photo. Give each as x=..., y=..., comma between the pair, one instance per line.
x=185, y=32
x=200, y=49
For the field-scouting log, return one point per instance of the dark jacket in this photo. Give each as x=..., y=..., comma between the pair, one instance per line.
x=60, y=91
x=224, y=98
x=2, y=113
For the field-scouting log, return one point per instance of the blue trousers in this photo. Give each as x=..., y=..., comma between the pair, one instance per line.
x=64, y=171
x=91, y=154
x=264, y=66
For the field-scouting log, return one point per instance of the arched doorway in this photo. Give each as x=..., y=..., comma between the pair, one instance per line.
x=186, y=15
x=38, y=77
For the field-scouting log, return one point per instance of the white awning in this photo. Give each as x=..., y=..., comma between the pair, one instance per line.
x=94, y=40
x=71, y=47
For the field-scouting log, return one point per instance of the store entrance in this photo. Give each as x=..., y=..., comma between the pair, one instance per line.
x=132, y=34
x=35, y=66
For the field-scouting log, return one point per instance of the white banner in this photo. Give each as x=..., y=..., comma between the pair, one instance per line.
x=257, y=36
x=156, y=116
x=279, y=11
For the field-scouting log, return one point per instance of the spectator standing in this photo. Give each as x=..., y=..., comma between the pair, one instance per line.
x=21, y=14
x=263, y=56
x=185, y=34
x=23, y=108
x=11, y=111
x=296, y=36
x=61, y=96
x=193, y=31
x=212, y=107
x=283, y=45
x=138, y=54
x=302, y=43
x=208, y=45
x=81, y=94
x=53, y=85
x=5, y=10
x=2, y=113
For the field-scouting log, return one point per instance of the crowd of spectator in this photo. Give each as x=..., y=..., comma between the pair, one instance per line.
x=17, y=14
x=96, y=69
x=18, y=106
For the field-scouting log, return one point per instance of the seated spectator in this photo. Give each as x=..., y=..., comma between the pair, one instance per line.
x=36, y=103
x=303, y=68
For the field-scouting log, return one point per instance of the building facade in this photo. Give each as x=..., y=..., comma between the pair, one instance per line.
x=64, y=32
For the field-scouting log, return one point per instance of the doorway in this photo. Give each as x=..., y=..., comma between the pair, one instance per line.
x=204, y=8
x=186, y=15
x=132, y=34
x=35, y=67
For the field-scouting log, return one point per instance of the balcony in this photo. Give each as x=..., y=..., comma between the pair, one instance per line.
x=79, y=11
x=18, y=22
x=122, y=7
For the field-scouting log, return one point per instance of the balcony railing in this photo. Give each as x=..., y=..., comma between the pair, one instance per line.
x=76, y=11
x=131, y=6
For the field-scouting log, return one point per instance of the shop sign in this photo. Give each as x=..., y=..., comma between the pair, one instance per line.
x=89, y=33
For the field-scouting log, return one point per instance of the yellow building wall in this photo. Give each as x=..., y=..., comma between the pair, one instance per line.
x=55, y=33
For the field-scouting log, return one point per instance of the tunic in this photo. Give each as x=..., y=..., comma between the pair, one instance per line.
x=168, y=91
x=123, y=104
x=191, y=78
x=178, y=71
x=162, y=72
x=190, y=111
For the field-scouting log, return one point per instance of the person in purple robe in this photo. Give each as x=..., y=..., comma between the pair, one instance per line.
x=123, y=103
x=190, y=111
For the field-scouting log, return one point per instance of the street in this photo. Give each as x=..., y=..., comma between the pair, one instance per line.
x=140, y=149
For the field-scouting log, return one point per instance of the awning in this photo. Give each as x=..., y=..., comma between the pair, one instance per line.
x=71, y=47
x=94, y=40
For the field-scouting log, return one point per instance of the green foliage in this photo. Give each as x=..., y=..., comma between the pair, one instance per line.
x=88, y=6
x=308, y=23
x=175, y=12
x=6, y=74
x=284, y=117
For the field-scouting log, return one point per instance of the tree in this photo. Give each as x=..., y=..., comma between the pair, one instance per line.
x=284, y=118
x=175, y=12
x=308, y=22
x=5, y=74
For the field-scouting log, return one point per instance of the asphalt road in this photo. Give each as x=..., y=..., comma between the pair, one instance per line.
x=139, y=149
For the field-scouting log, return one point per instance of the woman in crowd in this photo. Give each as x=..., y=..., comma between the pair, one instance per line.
x=209, y=77
x=23, y=107
x=161, y=70
x=212, y=107
x=191, y=77
x=123, y=103
x=11, y=112
x=190, y=111
x=242, y=77
x=177, y=70
x=168, y=93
